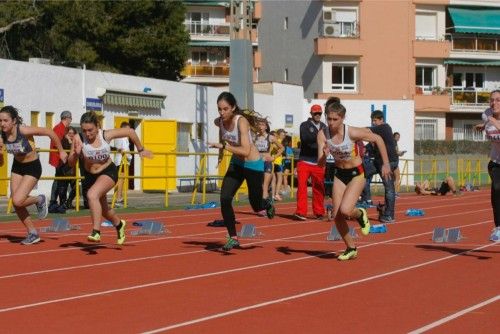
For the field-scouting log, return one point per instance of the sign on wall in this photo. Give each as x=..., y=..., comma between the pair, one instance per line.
x=92, y=104
x=288, y=121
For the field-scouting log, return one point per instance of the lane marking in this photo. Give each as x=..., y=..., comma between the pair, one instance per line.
x=305, y=294
x=454, y=316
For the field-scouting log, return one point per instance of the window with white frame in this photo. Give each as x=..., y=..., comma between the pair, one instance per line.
x=344, y=76
x=198, y=57
x=426, y=77
x=426, y=129
x=340, y=22
x=464, y=130
x=183, y=136
x=198, y=22
x=468, y=80
x=426, y=25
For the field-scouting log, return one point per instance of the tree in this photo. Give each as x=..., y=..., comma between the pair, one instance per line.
x=144, y=37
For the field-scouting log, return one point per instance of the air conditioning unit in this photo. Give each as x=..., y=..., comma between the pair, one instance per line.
x=331, y=29
x=329, y=16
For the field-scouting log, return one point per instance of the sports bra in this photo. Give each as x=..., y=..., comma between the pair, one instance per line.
x=232, y=137
x=96, y=154
x=344, y=151
x=21, y=145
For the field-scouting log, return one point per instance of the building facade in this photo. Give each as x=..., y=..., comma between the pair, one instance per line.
x=442, y=54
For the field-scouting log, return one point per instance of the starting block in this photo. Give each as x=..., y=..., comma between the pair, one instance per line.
x=248, y=231
x=149, y=227
x=59, y=225
x=335, y=235
x=440, y=234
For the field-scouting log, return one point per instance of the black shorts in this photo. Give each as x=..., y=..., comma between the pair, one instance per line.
x=32, y=168
x=346, y=175
x=443, y=190
x=278, y=168
x=110, y=171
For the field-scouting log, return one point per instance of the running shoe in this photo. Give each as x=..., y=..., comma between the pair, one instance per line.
x=495, y=235
x=230, y=244
x=94, y=236
x=299, y=217
x=262, y=213
x=121, y=232
x=270, y=211
x=41, y=207
x=31, y=239
x=386, y=220
x=364, y=222
x=349, y=254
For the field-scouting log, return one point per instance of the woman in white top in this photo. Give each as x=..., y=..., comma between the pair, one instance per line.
x=340, y=140
x=491, y=125
x=99, y=170
x=235, y=136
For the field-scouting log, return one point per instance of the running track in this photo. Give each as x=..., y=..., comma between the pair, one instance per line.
x=287, y=279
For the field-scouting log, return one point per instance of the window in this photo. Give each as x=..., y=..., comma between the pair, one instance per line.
x=183, y=136
x=340, y=22
x=216, y=57
x=425, y=25
x=464, y=130
x=344, y=77
x=425, y=77
x=285, y=23
x=425, y=129
x=198, y=57
x=457, y=80
x=198, y=22
x=285, y=75
x=34, y=118
x=49, y=120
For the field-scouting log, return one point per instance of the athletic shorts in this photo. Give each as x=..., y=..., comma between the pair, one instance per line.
x=32, y=168
x=346, y=175
x=111, y=171
x=268, y=167
x=278, y=168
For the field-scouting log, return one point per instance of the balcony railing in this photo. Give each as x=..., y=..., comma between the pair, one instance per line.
x=474, y=44
x=204, y=28
x=465, y=97
x=206, y=70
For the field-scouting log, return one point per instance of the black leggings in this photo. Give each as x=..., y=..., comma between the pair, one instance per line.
x=233, y=179
x=494, y=171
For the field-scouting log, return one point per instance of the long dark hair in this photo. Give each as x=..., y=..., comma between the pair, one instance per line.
x=90, y=117
x=14, y=114
x=251, y=116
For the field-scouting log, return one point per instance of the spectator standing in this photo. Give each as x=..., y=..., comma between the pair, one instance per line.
x=397, y=175
x=287, y=163
x=54, y=159
x=308, y=167
x=384, y=130
x=122, y=145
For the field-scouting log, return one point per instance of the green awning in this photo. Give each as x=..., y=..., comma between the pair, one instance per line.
x=473, y=20
x=133, y=99
x=207, y=3
x=209, y=43
x=472, y=62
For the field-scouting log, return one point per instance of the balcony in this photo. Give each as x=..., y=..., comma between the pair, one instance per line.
x=206, y=70
x=324, y=46
x=469, y=100
x=432, y=103
x=204, y=29
x=431, y=48
x=486, y=47
x=340, y=29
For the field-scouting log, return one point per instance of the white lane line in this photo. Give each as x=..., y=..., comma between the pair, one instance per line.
x=305, y=294
x=223, y=272
x=454, y=316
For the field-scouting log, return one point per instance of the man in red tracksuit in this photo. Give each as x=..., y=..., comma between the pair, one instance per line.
x=308, y=167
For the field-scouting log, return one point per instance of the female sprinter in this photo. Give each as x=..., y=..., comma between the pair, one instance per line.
x=246, y=164
x=100, y=172
x=340, y=140
x=26, y=167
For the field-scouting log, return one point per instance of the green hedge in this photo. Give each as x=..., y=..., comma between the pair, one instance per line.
x=444, y=147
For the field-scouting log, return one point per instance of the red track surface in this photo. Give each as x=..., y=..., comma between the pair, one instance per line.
x=287, y=279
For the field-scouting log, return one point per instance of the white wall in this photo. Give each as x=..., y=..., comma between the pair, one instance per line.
x=47, y=88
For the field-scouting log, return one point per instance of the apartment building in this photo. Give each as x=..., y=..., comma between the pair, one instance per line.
x=208, y=23
x=442, y=54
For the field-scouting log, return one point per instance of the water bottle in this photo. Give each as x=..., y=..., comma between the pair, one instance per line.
x=415, y=212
